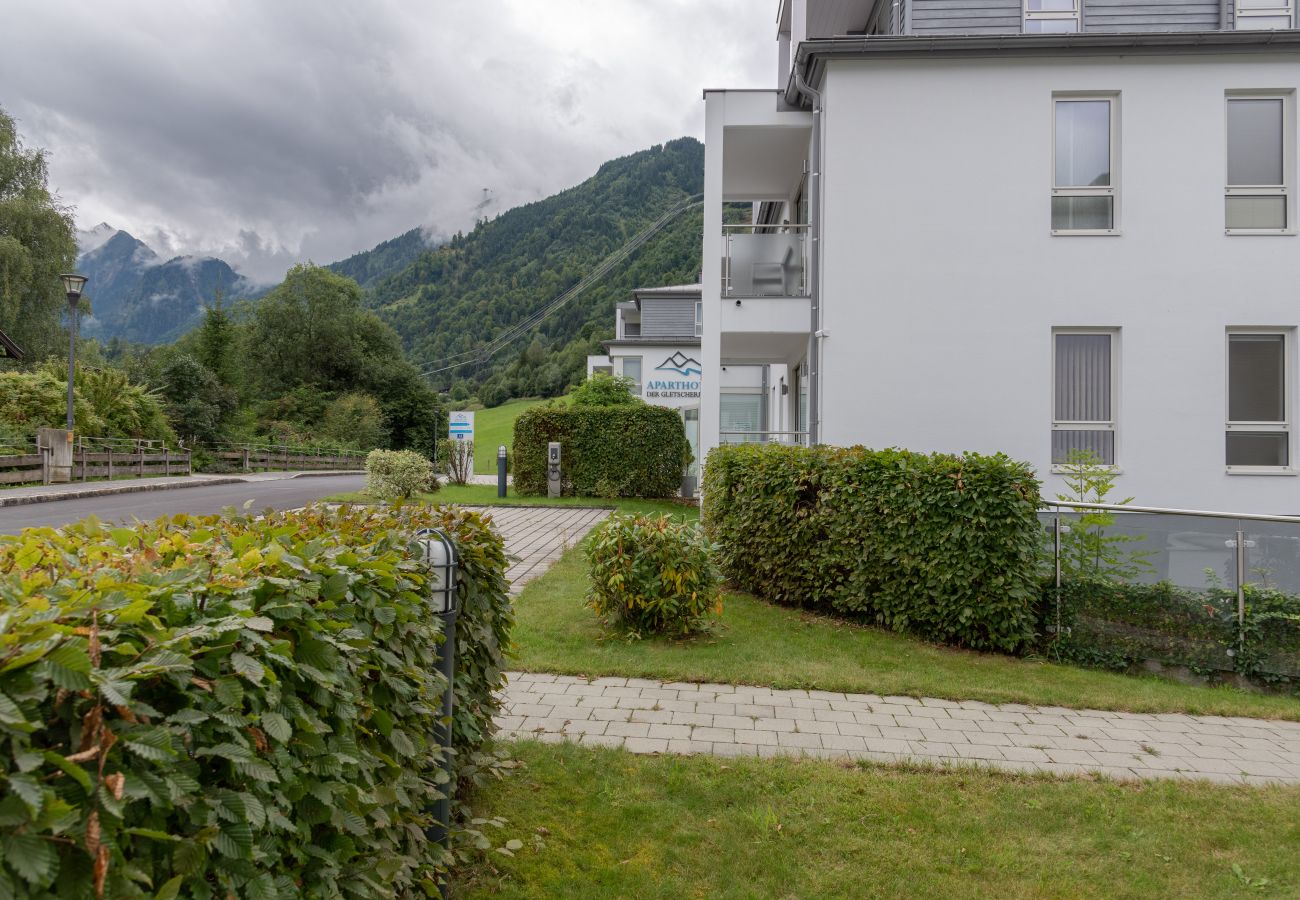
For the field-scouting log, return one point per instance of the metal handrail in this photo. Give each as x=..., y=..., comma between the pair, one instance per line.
x=769, y=228
x=1110, y=507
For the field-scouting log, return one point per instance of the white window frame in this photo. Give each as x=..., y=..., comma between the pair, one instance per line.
x=1279, y=8
x=1032, y=15
x=1111, y=190
x=1288, y=162
x=1288, y=400
x=1113, y=424
x=640, y=362
x=699, y=318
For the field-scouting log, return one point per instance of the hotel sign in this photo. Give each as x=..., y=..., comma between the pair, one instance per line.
x=676, y=378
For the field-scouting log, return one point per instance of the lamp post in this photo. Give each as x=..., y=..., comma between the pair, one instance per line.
x=72, y=286
x=441, y=558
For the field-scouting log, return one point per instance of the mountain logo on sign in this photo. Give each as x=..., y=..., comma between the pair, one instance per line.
x=681, y=364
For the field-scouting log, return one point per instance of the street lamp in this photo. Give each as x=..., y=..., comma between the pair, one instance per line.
x=442, y=560
x=72, y=286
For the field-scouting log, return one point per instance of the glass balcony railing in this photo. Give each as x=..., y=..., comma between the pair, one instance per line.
x=1202, y=592
x=765, y=260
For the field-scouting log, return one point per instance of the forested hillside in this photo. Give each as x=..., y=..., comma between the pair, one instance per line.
x=459, y=296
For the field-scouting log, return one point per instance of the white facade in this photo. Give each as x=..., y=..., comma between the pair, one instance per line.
x=941, y=283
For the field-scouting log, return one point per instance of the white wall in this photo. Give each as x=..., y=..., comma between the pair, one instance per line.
x=942, y=282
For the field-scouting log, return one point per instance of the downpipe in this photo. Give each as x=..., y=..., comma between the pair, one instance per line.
x=814, y=260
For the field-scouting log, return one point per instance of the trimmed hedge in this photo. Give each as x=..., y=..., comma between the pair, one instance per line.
x=220, y=707
x=633, y=450
x=946, y=547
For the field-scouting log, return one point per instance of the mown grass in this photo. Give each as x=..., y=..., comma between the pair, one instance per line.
x=762, y=644
x=486, y=495
x=599, y=823
x=494, y=427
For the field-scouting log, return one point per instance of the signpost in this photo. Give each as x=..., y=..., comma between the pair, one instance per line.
x=460, y=427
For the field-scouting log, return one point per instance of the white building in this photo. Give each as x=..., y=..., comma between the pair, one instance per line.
x=657, y=344
x=1021, y=226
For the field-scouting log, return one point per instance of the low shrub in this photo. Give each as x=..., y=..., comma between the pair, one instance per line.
x=456, y=460
x=220, y=707
x=943, y=546
x=398, y=474
x=629, y=450
x=652, y=575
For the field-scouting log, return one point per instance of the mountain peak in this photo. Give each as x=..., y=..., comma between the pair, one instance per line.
x=94, y=238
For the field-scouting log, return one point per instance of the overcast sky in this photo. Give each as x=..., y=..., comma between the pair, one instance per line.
x=269, y=132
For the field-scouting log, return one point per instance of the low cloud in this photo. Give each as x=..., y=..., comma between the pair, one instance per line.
x=272, y=133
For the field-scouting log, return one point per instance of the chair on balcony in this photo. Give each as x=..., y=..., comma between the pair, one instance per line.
x=773, y=279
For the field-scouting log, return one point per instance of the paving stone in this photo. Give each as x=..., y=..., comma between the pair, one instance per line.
x=753, y=736
x=628, y=729
x=670, y=732
x=645, y=745
x=716, y=735
x=799, y=739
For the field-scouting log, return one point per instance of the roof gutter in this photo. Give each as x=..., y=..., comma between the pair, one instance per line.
x=812, y=55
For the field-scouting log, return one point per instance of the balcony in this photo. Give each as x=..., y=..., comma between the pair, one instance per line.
x=764, y=260
x=788, y=438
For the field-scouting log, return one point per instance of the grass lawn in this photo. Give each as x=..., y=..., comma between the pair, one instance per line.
x=604, y=823
x=494, y=427
x=762, y=644
x=486, y=495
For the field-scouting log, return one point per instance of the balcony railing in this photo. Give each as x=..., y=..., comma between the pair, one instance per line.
x=765, y=260
x=791, y=438
x=1206, y=592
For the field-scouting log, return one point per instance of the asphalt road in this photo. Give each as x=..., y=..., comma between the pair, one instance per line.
x=285, y=493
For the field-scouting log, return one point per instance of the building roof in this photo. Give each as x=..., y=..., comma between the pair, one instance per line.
x=651, y=342
x=812, y=55
x=672, y=290
x=8, y=348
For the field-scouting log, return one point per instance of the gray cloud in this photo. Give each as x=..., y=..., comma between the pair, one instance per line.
x=269, y=133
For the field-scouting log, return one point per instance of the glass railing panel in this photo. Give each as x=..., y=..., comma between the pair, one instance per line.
x=1271, y=621
x=768, y=263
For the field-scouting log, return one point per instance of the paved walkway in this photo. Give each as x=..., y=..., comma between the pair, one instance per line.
x=652, y=717
x=537, y=536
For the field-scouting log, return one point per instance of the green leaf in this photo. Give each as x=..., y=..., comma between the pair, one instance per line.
x=31, y=857
x=171, y=889
x=246, y=666
x=69, y=666
x=234, y=840
x=230, y=691
x=29, y=789
x=78, y=774
x=261, y=888
x=259, y=623
x=277, y=726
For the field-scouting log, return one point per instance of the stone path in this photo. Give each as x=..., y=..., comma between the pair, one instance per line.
x=646, y=716
x=536, y=536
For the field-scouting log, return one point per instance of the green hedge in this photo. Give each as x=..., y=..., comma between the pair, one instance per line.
x=946, y=547
x=222, y=707
x=1119, y=626
x=633, y=450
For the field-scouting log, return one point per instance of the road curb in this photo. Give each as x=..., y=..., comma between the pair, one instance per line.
x=30, y=499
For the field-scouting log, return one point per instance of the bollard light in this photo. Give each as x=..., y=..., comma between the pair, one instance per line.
x=440, y=557
x=501, y=470
x=443, y=562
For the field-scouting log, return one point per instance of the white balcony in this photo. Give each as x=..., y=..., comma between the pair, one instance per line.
x=765, y=261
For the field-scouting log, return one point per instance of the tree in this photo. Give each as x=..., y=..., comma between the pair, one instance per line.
x=37, y=242
x=605, y=390
x=215, y=343
x=355, y=420
x=197, y=403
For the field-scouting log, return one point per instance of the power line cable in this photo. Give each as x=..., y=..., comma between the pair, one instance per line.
x=530, y=322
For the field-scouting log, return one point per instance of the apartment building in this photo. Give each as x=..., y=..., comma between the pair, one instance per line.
x=657, y=345
x=1029, y=227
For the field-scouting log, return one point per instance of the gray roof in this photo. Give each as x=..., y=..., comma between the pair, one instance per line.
x=8, y=348
x=812, y=55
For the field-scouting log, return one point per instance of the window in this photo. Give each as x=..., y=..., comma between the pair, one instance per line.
x=1083, y=384
x=1083, y=182
x=1254, y=15
x=1259, y=432
x=1256, y=195
x=632, y=369
x=741, y=417
x=1051, y=16
x=699, y=318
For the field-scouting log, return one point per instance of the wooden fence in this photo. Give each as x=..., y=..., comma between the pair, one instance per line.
x=98, y=458
x=278, y=458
